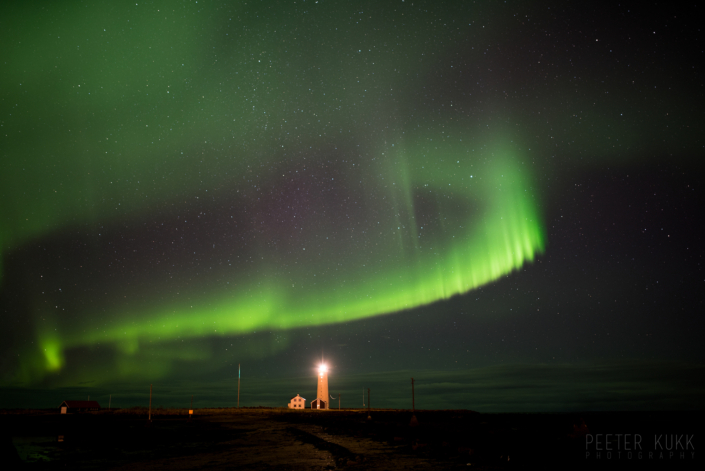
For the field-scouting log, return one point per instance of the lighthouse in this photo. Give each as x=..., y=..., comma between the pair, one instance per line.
x=321, y=401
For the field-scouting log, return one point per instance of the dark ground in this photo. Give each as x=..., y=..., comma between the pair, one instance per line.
x=262, y=439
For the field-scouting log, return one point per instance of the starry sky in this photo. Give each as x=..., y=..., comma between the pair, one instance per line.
x=501, y=199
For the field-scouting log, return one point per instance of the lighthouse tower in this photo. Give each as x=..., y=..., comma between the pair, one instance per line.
x=321, y=401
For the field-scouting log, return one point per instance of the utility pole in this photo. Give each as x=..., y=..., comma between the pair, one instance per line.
x=413, y=399
x=338, y=401
x=413, y=422
x=238, y=385
x=149, y=417
x=369, y=417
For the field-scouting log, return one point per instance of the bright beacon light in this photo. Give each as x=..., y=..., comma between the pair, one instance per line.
x=323, y=368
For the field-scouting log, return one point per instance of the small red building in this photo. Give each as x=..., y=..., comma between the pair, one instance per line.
x=78, y=406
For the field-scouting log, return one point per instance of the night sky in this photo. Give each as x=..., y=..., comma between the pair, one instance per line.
x=500, y=199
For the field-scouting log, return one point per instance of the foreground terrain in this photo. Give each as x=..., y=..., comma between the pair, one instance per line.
x=259, y=439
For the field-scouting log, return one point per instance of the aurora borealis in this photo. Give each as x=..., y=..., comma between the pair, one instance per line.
x=191, y=185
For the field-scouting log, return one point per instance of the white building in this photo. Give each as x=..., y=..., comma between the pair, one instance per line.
x=297, y=402
x=321, y=401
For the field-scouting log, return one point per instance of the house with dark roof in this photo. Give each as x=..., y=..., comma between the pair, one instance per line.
x=297, y=402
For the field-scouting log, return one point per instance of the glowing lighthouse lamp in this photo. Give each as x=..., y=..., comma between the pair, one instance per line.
x=321, y=401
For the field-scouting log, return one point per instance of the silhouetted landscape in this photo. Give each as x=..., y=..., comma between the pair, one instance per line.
x=277, y=438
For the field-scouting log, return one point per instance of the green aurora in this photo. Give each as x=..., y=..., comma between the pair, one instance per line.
x=128, y=116
x=404, y=269
x=485, y=225
x=338, y=180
